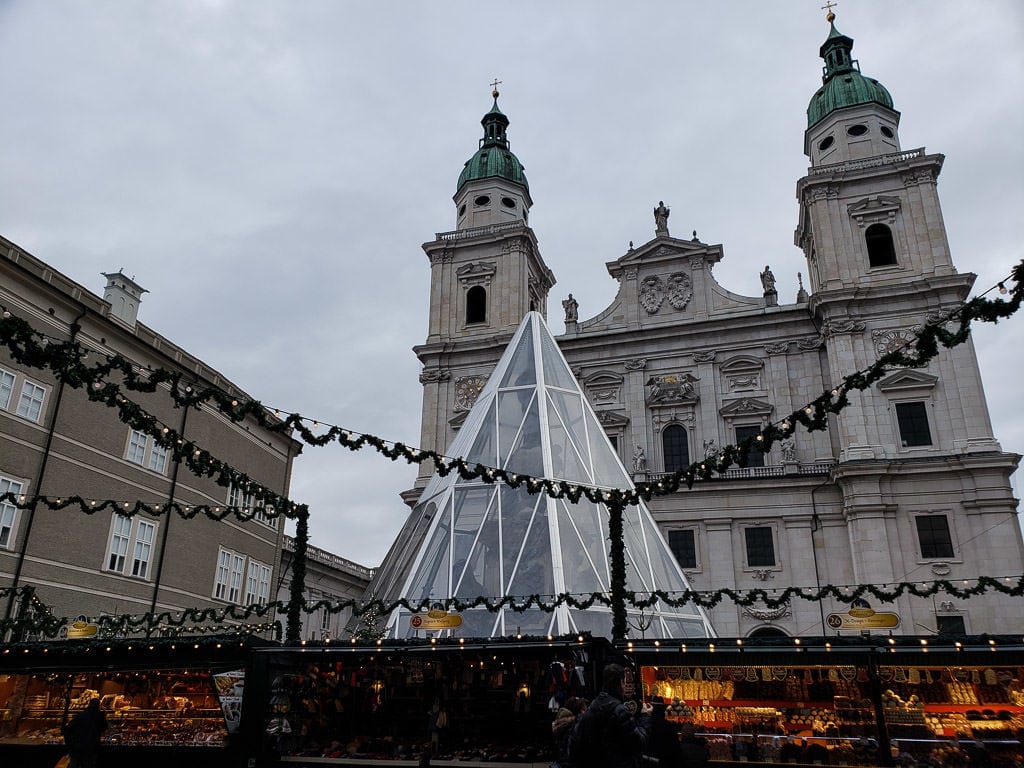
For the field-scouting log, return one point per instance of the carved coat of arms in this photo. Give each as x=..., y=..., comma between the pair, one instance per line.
x=680, y=290
x=652, y=294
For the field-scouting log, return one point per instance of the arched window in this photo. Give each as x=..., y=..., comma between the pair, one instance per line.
x=768, y=632
x=881, y=252
x=675, y=447
x=476, y=304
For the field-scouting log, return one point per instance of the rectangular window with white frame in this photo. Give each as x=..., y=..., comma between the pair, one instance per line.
x=9, y=512
x=130, y=549
x=144, y=451
x=6, y=389
x=247, y=502
x=30, y=404
x=234, y=568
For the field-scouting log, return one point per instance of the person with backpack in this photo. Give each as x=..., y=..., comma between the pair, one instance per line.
x=609, y=734
x=82, y=735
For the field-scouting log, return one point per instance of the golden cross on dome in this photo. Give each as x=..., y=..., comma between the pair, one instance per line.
x=830, y=17
x=494, y=87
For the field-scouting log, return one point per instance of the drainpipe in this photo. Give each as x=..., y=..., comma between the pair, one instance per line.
x=167, y=522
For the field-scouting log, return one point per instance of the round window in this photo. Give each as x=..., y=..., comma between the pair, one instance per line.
x=508, y=202
x=857, y=130
x=482, y=200
x=825, y=143
x=887, y=131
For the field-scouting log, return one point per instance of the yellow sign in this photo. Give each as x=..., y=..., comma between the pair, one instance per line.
x=436, y=619
x=80, y=630
x=876, y=621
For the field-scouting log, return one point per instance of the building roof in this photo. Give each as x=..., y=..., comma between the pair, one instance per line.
x=493, y=158
x=843, y=85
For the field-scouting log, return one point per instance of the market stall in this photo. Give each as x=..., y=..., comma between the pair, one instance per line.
x=471, y=701
x=162, y=699
x=844, y=701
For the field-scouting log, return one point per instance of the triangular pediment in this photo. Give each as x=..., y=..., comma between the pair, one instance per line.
x=662, y=251
x=491, y=540
x=907, y=379
x=612, y=419
x=746, y=406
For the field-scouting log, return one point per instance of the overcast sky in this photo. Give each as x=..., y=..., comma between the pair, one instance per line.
x=268, y=171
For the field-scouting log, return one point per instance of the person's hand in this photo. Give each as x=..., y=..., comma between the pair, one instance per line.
x=646, y=709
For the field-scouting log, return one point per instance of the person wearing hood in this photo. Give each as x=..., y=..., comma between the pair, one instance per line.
x=610, y=734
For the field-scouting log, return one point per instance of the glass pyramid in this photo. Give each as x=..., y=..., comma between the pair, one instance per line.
x=532, y=418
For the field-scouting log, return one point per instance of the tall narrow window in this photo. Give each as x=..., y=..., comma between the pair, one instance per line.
x=119, y=538
x=476, y=304
x=913, y=423
x=6, y=388
x=137, y=442
x=235, y=582
x=158, y=458
x=30, y=405
x=755, y=458
x=143, y=549
x=257, y=584
x=8, y=512
x=934, y=537
x=881, y=252
x=675, y=447
x=760, y=547
x=223, y=575
x=684, y=546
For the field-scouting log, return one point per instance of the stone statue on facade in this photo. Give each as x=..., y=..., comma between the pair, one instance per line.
x=661, y=219
x=639, y=460
x=788, y=446
x=768, y=280
x=710, y=449
x=571, y=307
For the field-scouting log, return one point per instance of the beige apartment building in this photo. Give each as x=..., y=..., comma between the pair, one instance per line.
x=56, y=443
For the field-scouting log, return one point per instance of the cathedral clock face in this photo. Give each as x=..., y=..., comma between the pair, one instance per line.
x=467, y=389
x=890, y=341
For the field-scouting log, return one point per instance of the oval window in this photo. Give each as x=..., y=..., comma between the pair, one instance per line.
x=827, y=142
x=887, y=131
x=508, y=202
x=482, y=200
x=462, y=210
x=857, y=130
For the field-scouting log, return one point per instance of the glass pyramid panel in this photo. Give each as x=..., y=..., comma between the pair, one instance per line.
x=487, y=540
x=521, y=370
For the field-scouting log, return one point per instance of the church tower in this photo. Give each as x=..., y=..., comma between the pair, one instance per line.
x=485, y=276
x=925, y=485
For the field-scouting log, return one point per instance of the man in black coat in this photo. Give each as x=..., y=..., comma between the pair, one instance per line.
x=608, y=734
x=83, y=733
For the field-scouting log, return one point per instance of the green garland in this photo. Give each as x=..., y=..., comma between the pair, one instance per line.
x=131, y=508
x=67, y=362
x=50, y=626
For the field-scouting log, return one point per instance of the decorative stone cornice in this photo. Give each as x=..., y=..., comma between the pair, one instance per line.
x=430, y=375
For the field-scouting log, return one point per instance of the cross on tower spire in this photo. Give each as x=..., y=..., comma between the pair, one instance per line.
x=494, y=87
x=829, y=17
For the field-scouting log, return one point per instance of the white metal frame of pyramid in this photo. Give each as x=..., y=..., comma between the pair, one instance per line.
x=492, y=540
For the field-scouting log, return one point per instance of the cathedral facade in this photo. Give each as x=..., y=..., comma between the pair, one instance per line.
x=907, y=484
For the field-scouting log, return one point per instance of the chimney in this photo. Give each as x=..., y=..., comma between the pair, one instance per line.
x=124, y=296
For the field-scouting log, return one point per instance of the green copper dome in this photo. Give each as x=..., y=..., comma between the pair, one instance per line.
x=493, y=158
x=843, y=84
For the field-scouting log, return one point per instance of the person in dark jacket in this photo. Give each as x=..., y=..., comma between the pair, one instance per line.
x=609, y=734
x=82, y=735
x=561, y=731
x=694, y=748
x=663, y=744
